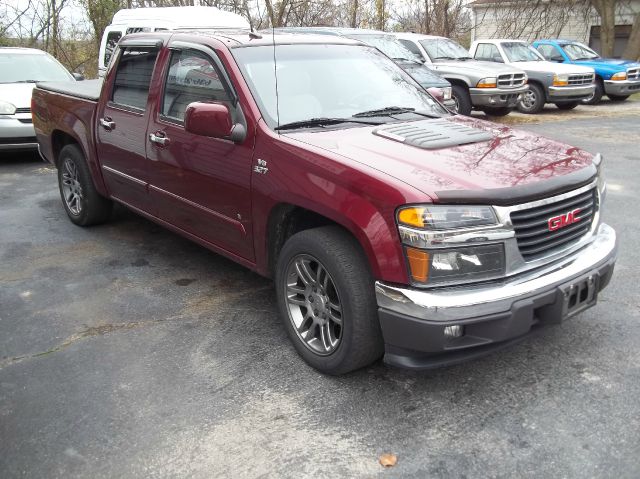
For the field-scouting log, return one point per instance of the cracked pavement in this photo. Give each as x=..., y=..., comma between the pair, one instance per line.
x=127, y=351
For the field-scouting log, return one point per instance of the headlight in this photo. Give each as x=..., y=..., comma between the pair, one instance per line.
x=619, y=76
x=560, y=80
x=446, y=217
x=446, y=92
x=490, y=82
x=7, y=108
x=425, y=230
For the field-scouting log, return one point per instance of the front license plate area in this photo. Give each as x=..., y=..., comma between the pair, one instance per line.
x=579, y=295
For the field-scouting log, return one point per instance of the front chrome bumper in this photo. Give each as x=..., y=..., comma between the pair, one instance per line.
x=626, y=87
x=16, y=132
x=496, y=97
x=463, y=302
x=570, y=92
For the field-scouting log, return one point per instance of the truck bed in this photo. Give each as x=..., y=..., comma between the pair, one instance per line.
x=87, y=89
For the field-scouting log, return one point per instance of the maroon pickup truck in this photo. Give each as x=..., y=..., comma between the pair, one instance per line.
x=390, y=226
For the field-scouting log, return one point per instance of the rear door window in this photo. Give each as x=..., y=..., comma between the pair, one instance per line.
x=133, y=76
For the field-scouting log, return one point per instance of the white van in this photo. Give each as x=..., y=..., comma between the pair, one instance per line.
x=133, y=20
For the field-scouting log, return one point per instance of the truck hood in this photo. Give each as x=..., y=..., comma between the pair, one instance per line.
x=510, y=167
x=474, y=66
x=19, y=94
x=613, y=64
x=552, y=67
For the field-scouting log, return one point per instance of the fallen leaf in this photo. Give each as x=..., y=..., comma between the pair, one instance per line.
x=388, y=460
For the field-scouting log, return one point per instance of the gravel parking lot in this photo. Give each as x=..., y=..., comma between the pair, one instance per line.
x=127, y=351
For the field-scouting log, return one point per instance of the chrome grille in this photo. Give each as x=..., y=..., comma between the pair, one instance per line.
x=532, y=225
x=633, y=74
x=586, y=79
x=511, y=80
x=23, y=110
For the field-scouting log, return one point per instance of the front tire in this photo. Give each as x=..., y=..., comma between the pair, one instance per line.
x=497, y=111
x=567, y=106
x=462, y=100
x=618, y=98
x=532, y=101
x=83, y=204
x=326, y=298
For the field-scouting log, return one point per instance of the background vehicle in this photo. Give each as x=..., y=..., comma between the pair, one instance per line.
x=494, y=89
x=389, y=225
x=563, y=85
x=388, y=45
x=134, y=20
x=614, y=77
x=20, y=69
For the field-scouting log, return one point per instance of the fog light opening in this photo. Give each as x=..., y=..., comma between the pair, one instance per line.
x=456, y=331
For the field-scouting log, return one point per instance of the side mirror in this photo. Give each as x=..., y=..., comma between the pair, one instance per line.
x=436, y=93
x=556, y=58
x=212, y=120
x=497, y=59
x=78, y=76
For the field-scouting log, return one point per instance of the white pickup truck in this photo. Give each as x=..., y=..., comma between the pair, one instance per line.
x=563, y=85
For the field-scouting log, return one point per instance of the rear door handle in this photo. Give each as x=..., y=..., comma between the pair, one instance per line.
x=107, y=123
x=159, y=138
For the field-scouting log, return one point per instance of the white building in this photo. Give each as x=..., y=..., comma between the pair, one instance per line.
x=536, y=19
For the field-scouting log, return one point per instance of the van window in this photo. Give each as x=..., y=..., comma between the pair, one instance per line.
x=192, y=76
x=112, y=41
x=133, y=75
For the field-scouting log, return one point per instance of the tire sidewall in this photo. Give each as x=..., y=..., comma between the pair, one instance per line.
x=597, y=94
x=539, y=100
x=73, y=153
x=463, y=100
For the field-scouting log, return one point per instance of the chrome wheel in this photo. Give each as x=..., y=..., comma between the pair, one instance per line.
x=313, y=304
x=71, y=187
x=528, y=100
x=456, y=105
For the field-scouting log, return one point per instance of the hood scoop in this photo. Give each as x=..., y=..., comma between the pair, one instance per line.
x=433, y=133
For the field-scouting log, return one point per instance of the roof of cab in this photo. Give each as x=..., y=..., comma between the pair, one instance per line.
x=239, y=39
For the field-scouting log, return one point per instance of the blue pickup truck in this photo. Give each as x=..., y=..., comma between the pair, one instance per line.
x=614, y=77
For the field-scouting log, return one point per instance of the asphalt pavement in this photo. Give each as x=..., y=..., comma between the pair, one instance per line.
x=127, y=351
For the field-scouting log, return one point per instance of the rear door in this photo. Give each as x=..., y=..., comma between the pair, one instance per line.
x=199, y=184
x=122, y=119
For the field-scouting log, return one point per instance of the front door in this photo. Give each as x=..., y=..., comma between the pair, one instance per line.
x=199, y=184
x=122, y=125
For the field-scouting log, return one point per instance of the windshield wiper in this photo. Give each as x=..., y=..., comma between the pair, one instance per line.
x=26, y=81
x=311, y=122
x=390, y=111
x=465, y=58
x=444, y=58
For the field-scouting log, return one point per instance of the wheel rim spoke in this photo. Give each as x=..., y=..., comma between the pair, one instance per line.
x=71, y=187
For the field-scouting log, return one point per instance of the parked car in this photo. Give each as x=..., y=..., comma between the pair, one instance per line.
x=614, y=77
x=390, y=46
x=20, y=69
x=135, y=20
x=494, y=89
x=389, y=225
x=563, y=85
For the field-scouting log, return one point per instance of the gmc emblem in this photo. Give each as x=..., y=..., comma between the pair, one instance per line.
x=561, y=221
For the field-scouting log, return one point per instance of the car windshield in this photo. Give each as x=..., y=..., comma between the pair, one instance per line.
x=331, y=82
x=389, y=46
x=520, y=52
x=577, y=51
x=27, y=67
x=444, y=49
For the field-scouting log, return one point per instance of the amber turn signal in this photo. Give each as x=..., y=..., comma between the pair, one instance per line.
x=412, y=217
x=418, y=264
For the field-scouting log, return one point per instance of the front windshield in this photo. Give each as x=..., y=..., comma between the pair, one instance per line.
x=27, y=67
x=329, y=81
x=444, y=49
x=389, y=46
x=577, y=51
x=520, y=52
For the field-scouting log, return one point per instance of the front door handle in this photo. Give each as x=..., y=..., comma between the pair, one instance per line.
x=107, y=123
x=158, y=138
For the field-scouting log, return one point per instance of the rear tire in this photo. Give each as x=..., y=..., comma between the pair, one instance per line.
x=567, y=106
x=462, y=100
x=325, y=294
x=617, y=98
x=497, y=111
x=597, y=94
x=83, y=204
x=532, y=101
